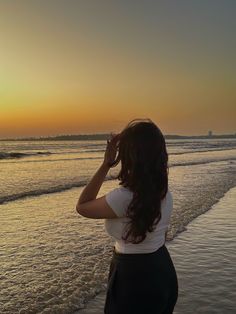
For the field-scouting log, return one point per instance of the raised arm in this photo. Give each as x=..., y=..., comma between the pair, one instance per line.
x=88, y=205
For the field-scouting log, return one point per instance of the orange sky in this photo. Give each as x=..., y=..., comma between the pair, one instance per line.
x=72, y=67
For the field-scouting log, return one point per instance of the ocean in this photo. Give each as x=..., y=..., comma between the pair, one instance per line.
x=55, y=261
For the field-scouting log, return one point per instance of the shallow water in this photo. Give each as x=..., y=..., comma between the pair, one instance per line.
x=51, y=166
x=52, y=259
x=205, y=261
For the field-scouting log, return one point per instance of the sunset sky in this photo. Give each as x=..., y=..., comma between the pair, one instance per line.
x=70, y=67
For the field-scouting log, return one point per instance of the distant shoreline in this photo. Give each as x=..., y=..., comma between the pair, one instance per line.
x=104, y=136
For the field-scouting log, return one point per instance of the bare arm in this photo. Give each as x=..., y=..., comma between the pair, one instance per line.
x=88, y=205
x=92, y=188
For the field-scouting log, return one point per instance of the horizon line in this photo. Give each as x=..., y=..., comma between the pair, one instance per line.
x=208, y=135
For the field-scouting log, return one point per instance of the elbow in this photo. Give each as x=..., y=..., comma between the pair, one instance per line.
x=80, y=210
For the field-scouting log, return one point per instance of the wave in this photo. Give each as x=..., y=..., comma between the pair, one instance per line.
x=53, y=189
x=38, y=192
x=10, y=155
x=63, y=187
x=202, y=151
x=54, y=160
x=189, y=149
x=192, y=163
x=192, y=151
x=97, y=157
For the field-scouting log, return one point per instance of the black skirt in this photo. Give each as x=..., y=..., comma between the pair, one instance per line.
x=141, y=283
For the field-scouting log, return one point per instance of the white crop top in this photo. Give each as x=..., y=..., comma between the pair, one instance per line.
x=119, y=199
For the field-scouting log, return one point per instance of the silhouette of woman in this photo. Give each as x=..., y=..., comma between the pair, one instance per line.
x=142, y=276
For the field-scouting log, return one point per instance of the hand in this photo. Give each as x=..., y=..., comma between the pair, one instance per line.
x=111, y=149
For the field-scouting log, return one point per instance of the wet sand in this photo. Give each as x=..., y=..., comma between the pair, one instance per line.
x=204, y=257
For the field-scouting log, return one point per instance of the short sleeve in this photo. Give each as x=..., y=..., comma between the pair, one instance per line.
x=119, y=199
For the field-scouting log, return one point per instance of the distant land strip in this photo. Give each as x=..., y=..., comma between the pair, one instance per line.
x=105, y=136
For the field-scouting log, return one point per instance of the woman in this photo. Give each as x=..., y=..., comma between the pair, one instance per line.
x=142, y=277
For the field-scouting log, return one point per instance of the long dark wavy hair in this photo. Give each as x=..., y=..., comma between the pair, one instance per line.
x=144, y=171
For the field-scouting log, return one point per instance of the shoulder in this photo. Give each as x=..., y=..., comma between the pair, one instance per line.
x=120, y=191
x=118, y=199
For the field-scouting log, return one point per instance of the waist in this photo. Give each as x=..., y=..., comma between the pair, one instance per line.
x=131, y=256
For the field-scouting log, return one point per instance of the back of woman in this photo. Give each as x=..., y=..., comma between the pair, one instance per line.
x=119, y=200
x=142, y=277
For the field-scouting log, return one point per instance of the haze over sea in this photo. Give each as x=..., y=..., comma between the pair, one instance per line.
x=52, y=259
